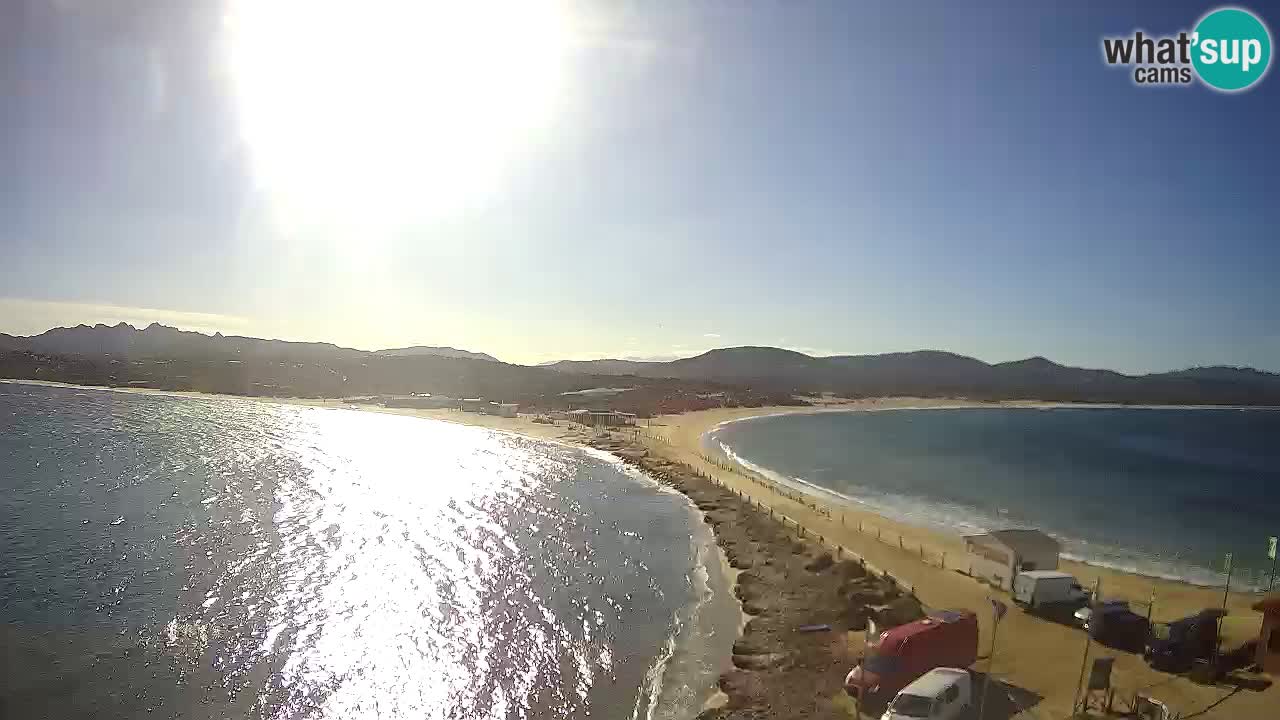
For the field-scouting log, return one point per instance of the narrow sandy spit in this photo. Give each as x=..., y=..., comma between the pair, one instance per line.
x=792, y=674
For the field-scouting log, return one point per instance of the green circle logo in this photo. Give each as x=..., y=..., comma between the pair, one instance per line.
x=1232, y=49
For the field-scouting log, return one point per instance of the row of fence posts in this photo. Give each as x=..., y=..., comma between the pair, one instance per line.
x=1254, y=578
x=840, y=550
x=801, y=530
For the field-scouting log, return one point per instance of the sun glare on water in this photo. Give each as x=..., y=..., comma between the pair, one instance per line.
x=376, y=111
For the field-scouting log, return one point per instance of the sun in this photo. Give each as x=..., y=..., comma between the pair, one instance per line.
x=376, y=111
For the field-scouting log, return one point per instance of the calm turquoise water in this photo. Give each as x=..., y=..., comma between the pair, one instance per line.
x=216, y=558
x=1163, y=492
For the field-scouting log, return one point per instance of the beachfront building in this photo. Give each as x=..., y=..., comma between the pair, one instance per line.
x=1269, y=637
x=998, y=556
x=476, y=405
x=420, y=401
x=503, y=409
x=601, y=418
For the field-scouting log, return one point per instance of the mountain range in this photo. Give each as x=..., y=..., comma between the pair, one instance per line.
x=938, y=373
x=158, y=340
x=167, y=358
x=258, y=366
x=436, y=351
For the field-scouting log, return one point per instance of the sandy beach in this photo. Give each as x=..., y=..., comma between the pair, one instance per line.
x=1034, y=655
x=1037, y=662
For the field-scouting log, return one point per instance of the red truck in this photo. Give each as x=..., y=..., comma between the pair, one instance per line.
x=948, y=638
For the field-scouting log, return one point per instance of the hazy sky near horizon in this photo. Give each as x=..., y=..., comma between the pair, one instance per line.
x=543, y=180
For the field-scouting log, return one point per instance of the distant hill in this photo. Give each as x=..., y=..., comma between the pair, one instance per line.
x=936, y=373
x=163, y=356
x=158, y=340
x=602, y=367
x=167, y=358
x=436, y=351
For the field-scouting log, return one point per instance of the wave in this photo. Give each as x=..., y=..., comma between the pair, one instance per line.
x=904, y=508
x=651, y=690
x=954, y=518
x=684, y=674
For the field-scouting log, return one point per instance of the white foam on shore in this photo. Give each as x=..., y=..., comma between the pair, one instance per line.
x=1030, y=405
x=683, y=677
x=672, y=689
x=953, y=518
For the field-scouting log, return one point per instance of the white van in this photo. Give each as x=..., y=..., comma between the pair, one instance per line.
x=1037, y=588
x=940, y=694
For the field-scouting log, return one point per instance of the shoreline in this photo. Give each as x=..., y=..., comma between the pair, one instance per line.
x=685, y=431
x=852, y=504
x=1030, y=663
x=710, y=695
x=914, y=555
x=853, y=406
x=783, y=579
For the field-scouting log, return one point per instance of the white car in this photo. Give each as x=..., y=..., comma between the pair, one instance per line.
x=940, y=694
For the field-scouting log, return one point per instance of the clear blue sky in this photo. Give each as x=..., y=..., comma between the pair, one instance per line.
x=640, y=179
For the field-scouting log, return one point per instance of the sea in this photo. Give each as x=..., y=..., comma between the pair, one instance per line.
x=1157, y=491
x=165, y=556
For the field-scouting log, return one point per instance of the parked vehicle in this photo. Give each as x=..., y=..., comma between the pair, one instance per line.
x=1119, y=627
x=940, y=694
x=1084, y=614
x=902, y=654
x=1177, y=645
x=1038, y=588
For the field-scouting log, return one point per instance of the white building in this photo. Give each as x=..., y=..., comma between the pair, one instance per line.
x=998, y=556
x=420, y=401
x=601, y=418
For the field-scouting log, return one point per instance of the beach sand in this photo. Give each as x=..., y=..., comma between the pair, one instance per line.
x=1039, y=657
x=1037, y=662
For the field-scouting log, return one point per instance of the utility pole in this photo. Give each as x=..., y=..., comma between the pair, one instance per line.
x=1084, y=660
x=1271, y=553
x=998, y=610
x=1226, y=590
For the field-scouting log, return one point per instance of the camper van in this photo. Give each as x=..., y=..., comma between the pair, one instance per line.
x=902, y=654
